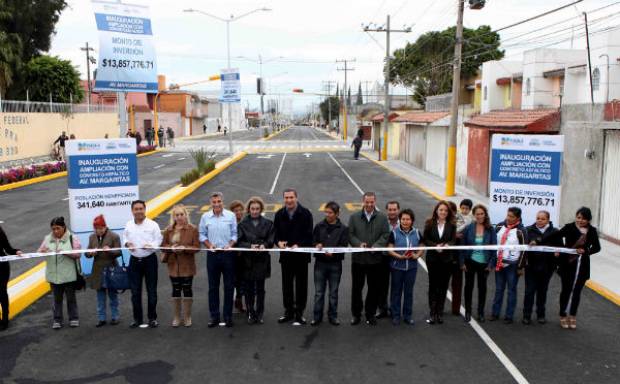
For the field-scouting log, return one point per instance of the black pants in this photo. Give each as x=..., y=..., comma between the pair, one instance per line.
x=364, y=273
x=572, y=285
x=383, y=288
x=59, y=291
x=438, y=280
x=294, y=286
x=144, y=268
x=254, y=291
x=475, y=272
x=536, y=285
x=356, y=152
x=5, y=273
x=182, y=285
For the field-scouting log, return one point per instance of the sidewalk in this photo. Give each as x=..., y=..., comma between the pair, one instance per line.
x=605, y=267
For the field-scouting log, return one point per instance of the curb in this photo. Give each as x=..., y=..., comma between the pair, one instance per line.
x=274, y=134
x=53, y=176
x=31, y=285
x=596, y=287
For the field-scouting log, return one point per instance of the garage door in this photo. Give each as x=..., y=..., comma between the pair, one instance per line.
x=436, y=145
x=610, y=203
x=416, y=145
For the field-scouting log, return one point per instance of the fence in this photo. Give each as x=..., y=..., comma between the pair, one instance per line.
x=50, y=107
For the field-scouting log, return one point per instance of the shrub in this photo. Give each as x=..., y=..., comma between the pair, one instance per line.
x=24, y=173
x=146, y=148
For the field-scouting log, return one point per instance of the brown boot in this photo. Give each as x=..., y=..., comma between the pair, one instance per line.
x=187, y=311
x=176, y=308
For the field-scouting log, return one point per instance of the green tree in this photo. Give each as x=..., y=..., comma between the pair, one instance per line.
x=46, y=75
x=427, y=63
x=349, y=97
x=28, y=27
x=335, y=105
x=359, y=100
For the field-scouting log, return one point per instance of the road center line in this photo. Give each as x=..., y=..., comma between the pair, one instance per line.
x=346, y=174
x=159, y=166
x=497, y=351
x=275, y=181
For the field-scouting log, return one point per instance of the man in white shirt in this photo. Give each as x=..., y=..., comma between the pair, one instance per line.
x=141, y=235
x=218, y=232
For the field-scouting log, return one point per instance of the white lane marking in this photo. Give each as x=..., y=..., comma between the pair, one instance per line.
x=313, y=134
x=307, y=155
x=168, y=155
x=497, y=351
x=181, y=158
x=265, y=156
x=346, y=174
x=159, y=166
x=275, y=181
x=66, y=198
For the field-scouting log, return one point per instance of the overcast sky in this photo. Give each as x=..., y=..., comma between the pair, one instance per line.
x=311, y=35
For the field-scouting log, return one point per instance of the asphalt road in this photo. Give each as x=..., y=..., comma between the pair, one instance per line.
x=301, y=133
x=453, y=352
x=27, y=211
x=244, y=134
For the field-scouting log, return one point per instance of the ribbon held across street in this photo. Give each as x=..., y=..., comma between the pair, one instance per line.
x=520, y=248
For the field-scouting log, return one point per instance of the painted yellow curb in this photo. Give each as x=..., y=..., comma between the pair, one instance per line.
x=53, y=176
x=271, y=136
x=39, y=286
x=596, y=287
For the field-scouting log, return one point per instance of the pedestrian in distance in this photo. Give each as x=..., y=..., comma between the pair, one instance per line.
x=161, y=137
x=138, y=138
x=509, y=264
x=170, y=133
x=218, y=233
x=204, y=128
x=368, y=228
x=225, y=130
x=392, y=210
x=329, y=232
x=142, y=235
x=236, y=207
x=219, y=128
x=439, y=231
x=539, y=267
x=61, y=271
x=404, y=266
x=61, y=141
x=148, y=133
x=182, y=237
x=256, y=232
x=293, y=226
x=103, y=238
x=5, y=273
x=574, y=269
x=477, y=264
x=357, y=146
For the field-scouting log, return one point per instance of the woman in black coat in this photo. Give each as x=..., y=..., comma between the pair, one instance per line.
x=539, y=267
x=5, y=273
x=256, y=232
x=574, y=269
x=439, y=231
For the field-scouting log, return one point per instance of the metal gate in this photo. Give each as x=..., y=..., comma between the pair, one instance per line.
x=416, y=145
x=610, y=203
x=436, y=146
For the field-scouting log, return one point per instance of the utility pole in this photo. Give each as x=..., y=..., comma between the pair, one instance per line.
x=262, y=93
x=454, y=109
x=328, y=85
x=88, y=50
x=386, y=112
x=585, y=18
x=344, y=93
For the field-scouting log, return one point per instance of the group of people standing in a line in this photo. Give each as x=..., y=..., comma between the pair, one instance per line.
x=389, y=276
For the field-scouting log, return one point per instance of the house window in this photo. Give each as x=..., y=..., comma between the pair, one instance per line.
x=596, y=79
x=486, y=92
x=528, y=87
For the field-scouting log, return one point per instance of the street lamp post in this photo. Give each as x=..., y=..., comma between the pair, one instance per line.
x=228, y=21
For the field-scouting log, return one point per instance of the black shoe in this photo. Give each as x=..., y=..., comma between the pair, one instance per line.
x=381, y=314
x=334, y=322
x=299, y=320
x=4, y=325
x=439, y=319
x=481, y=318
x=228, y=323
x=100, y=324
x=259, y=320
x=508, y=320
x=115, y=322
x=494, y=318
x=431, y=319
x=542, y=320
x=252, y=320
x=356, y=320
x=285, y=319
x=135, y=324
x=213, y=323
x=153, y=324
x=315, y=322
x=467, y=317
x=526, y=321
x=372, y=321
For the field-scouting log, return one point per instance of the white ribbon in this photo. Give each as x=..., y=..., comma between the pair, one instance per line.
x=520, y=248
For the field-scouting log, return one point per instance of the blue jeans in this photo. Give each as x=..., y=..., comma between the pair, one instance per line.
x=144, y=268
x=102, y=294
x=324, y=273
x=221, y=264
x=507, y=277
x=402, y=281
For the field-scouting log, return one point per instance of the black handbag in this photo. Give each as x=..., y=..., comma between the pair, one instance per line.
x=116, y=277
